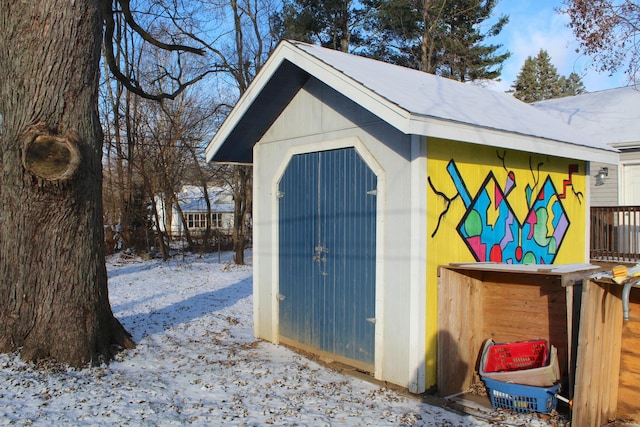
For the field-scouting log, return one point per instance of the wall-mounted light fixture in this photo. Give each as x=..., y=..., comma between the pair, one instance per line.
x=602, y=173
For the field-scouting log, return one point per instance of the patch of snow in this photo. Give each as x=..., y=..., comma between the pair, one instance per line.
x=197, y=362
x=609, y=115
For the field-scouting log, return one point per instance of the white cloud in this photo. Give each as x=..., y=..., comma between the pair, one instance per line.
x=536, y=25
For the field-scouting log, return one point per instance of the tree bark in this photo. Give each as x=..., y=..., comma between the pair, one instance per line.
x=53, y=281
x=242, y=199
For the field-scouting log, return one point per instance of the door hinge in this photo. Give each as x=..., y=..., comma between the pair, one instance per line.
x=279, y=194
x=372, y=192
x=371, y=320
x=280, y=297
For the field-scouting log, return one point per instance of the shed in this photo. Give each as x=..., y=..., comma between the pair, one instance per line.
x=368, y=176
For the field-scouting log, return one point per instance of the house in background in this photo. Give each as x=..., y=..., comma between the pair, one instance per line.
x=612, y=117
x=194, y=208
x=369, y=176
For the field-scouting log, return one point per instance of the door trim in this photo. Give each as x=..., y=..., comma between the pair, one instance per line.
x=364, y=153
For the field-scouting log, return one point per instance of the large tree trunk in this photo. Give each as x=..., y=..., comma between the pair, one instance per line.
x=53, y=282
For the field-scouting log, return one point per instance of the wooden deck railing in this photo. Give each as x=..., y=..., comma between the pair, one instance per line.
x=615, y=233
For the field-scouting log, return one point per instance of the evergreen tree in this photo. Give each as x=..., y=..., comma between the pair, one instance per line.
x=572, y=85
x=441, y=37
x=539, y=80
x=437, y=36
x=335, y=24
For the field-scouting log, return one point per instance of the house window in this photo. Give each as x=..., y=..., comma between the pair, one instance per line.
x=216, y=220
x=199, y=220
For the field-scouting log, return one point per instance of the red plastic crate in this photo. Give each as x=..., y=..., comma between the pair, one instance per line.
x=516, y=356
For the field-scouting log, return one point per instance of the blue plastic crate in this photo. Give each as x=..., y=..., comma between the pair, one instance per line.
x=521, y=398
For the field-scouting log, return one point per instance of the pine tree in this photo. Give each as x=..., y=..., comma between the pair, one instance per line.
x=334, y=23
x=572, y=85
x=441, y=37
x=539, y=80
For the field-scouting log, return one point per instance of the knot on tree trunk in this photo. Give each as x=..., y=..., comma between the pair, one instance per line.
x=48, y=155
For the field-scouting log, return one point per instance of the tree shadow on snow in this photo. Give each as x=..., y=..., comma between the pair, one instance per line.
x=161, y=319
x=115, y=271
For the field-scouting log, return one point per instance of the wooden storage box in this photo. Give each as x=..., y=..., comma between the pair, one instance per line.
x=583, y=318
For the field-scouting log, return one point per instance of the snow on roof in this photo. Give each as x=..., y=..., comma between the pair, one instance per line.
x=612, y=116
x=199, y=205
x=412, y=101
x=191, y=199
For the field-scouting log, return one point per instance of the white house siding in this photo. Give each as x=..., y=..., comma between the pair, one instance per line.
x=319, y=118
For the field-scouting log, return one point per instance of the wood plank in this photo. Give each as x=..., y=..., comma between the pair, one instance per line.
x=544, y=282
x=596, y=395
x=582, y=415
x=629, y=381
x=513, y=321
x=629, y=396
x=496, y=305
x=612, y=331
x=631, y=328
x=523, y=295
x=524, y=284
x=535, y=320
x=456, y=338
x=630, y=360
x=572, y=321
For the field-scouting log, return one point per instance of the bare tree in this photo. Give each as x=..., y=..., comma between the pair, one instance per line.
x=238, y=49
x=250, y=44
x=118, y=108
x=608, y=31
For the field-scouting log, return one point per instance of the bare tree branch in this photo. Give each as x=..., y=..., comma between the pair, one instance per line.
x=132, y=84
x=128, y=17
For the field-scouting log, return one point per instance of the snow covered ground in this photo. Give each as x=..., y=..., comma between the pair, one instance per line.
x=198, y=363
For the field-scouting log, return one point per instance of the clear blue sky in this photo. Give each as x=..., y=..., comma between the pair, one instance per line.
x=535, y=25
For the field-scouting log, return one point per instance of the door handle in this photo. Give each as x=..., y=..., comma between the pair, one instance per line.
x=320, y=254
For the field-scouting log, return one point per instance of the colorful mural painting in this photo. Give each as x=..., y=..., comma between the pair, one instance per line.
x=493, y=233
x=490, y=226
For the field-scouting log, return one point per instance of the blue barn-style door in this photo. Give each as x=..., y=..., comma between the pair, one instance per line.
x=327, y=254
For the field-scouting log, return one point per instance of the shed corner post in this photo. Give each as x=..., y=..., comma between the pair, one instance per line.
x=418, y=267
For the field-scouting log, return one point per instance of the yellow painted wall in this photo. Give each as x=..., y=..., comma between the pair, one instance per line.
x=487, y=188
